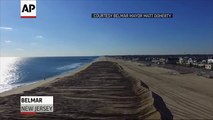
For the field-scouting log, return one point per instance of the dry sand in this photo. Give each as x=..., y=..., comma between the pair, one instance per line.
x=101, y=91
x=187, y=96
x=106, y=91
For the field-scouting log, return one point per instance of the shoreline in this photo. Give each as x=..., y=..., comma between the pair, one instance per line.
x=101, y=91
x=40, y=83
x=175, y=95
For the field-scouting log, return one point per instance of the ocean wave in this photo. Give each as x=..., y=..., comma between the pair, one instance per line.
x=6, y=87
x=70, y=67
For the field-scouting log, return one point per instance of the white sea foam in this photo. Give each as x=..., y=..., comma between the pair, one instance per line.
x=70, y=67
x=6, y=87
x=16, y=72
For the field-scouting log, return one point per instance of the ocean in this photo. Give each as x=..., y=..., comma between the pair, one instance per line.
x=15, y=71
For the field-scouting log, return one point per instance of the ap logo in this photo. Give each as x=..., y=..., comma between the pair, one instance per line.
x=28, y=9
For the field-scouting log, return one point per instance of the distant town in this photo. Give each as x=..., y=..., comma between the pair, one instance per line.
x=201, y=65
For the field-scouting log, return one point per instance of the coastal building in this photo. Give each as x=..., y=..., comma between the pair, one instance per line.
x=201, y=65
x=204, y=61
x=190, y=61
x=181, y=60
x=209, y=66
x=161, y=61
x=154, y=60
x=210, y=61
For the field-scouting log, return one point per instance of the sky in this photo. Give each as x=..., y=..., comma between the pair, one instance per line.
x=65, y=28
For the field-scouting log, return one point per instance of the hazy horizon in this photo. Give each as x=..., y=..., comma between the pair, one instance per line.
x=65, y=28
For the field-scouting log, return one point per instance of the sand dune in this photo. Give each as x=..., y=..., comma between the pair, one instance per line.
x=102, y=91
x=117, y=89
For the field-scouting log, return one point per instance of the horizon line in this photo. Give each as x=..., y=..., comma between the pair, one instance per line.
x=110, y=55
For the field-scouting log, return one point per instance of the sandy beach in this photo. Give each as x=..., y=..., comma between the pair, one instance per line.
x=116, y=89
x=47, y=81
x=187, y=96
x=103, y=90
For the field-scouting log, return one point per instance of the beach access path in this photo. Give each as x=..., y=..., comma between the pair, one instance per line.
x=101, y=91
x=187, y=96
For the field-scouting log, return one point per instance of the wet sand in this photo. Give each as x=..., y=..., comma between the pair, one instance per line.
x=101, y=91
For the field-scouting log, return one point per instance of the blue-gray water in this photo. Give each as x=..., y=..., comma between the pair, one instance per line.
x=20, y=71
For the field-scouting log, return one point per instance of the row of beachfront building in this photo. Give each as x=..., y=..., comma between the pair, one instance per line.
x=185, y=61
x=198, y=61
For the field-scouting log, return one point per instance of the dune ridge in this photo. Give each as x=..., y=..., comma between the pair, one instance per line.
x=101, y=91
